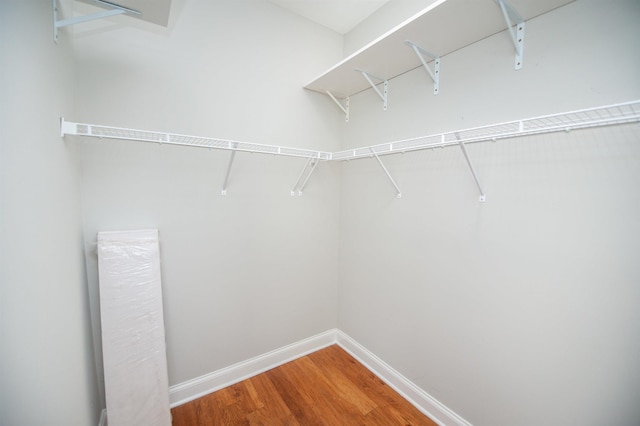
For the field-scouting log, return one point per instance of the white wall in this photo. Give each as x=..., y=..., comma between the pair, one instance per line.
x=242, y=274
x=525, y=309
x=382, y=20
x=47, y=373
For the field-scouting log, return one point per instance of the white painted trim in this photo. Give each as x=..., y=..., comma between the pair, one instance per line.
x=424, y=402
x=203, y=385
x=103, y=418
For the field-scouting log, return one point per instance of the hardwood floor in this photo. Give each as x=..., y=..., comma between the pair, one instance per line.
x=327, y=387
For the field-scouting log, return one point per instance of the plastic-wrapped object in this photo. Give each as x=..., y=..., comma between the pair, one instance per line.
x=133, y=340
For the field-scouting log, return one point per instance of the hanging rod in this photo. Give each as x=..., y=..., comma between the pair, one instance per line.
x=108, y=132
x=627, y=112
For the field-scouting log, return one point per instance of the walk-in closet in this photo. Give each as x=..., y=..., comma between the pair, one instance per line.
x=202, y=196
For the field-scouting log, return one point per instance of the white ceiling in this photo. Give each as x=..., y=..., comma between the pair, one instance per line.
x=339, y=15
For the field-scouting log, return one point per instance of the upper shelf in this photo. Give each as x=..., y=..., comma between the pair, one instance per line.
x=154, y=11
x=443, y=27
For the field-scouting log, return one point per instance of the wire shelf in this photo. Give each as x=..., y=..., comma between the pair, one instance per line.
x=628, y=112
x=108, y=132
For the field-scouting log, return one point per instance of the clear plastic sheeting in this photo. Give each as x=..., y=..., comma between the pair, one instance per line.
x=133, y=340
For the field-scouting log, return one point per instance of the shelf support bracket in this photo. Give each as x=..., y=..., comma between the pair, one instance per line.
x=113, y=9
x=517, y=34
x=435, y=74
x=482, y=198
x=311, y=162
x=385, y=87
x=226, y=176
x=393, y=182
x=344, y=108
x=304, y=184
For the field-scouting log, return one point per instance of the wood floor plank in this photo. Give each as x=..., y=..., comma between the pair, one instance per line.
x=293, y=400
x=325, y=388
x=342, y=386
x=375, y=387
x=253, y=394
x=273, y=410
x=330, y=403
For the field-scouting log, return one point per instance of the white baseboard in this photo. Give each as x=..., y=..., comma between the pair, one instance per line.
x=430, y=406
x=203, y=385
x=103, y=418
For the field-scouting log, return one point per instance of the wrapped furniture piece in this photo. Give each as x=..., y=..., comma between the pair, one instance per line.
x=133, y=341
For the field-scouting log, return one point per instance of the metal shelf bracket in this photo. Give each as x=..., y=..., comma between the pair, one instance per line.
x=226, y=176
x=113, y=9
x=385, y=90
x=344, y=108
x=393, y=182
x=517, y=34
x=482, y=198
x=435, y=74
x=307, y=170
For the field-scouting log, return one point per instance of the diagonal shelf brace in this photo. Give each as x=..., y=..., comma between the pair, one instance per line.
x=304, y=169
x=311, y=162
x=517, y=34
x=304, y=184
x=114, y=9
x=226, y=176
x=385, y=90
x=435, y=74
x=473, y=170
x=393, y=182
x=344, y=108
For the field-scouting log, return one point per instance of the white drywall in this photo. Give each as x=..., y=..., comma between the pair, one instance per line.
x=254, y=270
x=47, y=373
x=382, y=20
x=523, y=310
